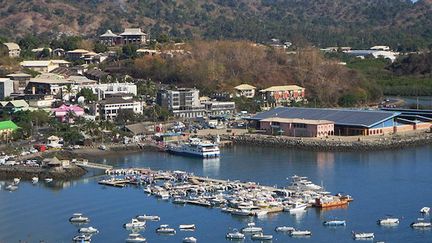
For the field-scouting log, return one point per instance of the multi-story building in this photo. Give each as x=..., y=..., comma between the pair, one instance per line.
x=218, y=108
x=6, y=88
x=107, y=89
x=245, y=90
x=133, y=36
x=183, y=102
x=109, y=108
x=20, y=81
x=109, y=38
x=280, y=95
x=13, y=49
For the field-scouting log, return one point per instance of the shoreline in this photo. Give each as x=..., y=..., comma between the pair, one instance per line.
x=27, y=173
x=336, y=144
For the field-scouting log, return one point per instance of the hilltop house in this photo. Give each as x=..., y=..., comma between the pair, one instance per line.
x=109, y=38
x=133, y=36
x=13, y=49
x=279, y=95
x=44, y=66
x=245, y=90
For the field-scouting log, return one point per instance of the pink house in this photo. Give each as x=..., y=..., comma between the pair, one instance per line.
x=66, y=113
x=297, y=127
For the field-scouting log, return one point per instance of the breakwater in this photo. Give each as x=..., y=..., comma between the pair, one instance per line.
x=27, y=173
x=335, y=143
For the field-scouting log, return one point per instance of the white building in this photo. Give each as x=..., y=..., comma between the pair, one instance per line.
x=133, y=36
x=182, y=102
x=245, y=90
x=44, y=66
x=218, y=108
x=6, y=88
x=13, y=49
x=380, y=48
x=109, y=108
x=107, y=89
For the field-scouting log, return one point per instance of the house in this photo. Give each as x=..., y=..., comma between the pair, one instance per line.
x=280, y=95
x=346, y=122
x=76, y=54
x=41, y=49
x=109, y=108
x=109, y=38
x=245, y=90
x=133, y=36
x=104, y=90
x=44, y=66
x=66, y=113
x=6, y=129
x=20, y=81
x=15, y=105
x=13, y=49
x=47, y=84
x=6, y=88
x=148, y=52
x=54, y=142
x=44, y=101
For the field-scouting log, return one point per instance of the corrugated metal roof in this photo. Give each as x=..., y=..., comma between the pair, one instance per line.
x=132, y=31
x=282, y=88
x=361, y=118
x=244, y=87
x=6, y=125
x=12, y=46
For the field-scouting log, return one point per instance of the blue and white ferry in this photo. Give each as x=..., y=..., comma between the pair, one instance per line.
x=195, y=147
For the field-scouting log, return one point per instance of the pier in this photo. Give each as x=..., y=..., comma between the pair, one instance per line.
x=91, y=165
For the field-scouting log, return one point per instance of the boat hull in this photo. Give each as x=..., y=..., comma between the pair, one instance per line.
x=190, y=154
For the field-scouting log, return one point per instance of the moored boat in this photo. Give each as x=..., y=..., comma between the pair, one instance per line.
x=195, y=147
x=388, y=221
x=261, y=236
x=334, y=223
x=135, y=224
x=88, y=230
x=235, y=235
x=425, y=210
x=251, y=228
x=187, y=227
x=189, y=240
x=135, y=238
x=79, y=218
x=48, y=180
x=11, y=187
x=165, y=229
x=300, y=233
x=147, y=217
x=82, y=238
x=35, y=180
x=331, y=201
x=285, y=229
x=363, y=235
x=16, y=181
x=421, y=224
x=296, y=208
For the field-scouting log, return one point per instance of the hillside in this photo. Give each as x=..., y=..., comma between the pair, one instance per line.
x=359, y=23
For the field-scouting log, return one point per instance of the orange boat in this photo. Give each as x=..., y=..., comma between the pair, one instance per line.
x=333, y=201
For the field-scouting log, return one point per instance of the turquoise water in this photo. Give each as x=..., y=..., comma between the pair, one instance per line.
x=389, y=182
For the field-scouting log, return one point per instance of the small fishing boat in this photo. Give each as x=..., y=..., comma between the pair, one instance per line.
x=284, y=229
x=300, y=233
x=164, y=229
x=235, y=235
x=187, y=227
x=135, y=238
x=189, y=240
x=135, y=224
x=388, y=221
x=242, y=212
x=363, y=235
x=251, y=228
x=334, y=223
x=11, y=187
x=88, y=230
x=425, y=210
x=79, y=218
x=147, y=217
x=82, y=238
x=421, y=224
x=48, y=180
x=16, y=181
x=260, y=213
x=179, y=201
x=35, y=180
x=148, y=190
x=297, y=208
x=261, y=236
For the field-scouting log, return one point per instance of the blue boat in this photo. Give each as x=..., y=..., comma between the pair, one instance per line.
x=335, y=223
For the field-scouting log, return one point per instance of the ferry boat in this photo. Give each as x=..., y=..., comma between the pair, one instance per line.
x=195, y=147
x=332, y=201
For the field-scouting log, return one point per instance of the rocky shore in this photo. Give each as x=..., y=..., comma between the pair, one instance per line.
x=334, y=143
x=26, y=172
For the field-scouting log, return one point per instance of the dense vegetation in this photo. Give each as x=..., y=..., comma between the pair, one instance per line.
x=401, y=24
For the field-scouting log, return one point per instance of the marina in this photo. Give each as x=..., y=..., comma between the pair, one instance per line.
x=108, y=208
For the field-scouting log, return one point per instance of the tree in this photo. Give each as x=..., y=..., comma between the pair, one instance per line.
x=129, y=51
x=88, y=95
x=125, y=116
x=99, y=48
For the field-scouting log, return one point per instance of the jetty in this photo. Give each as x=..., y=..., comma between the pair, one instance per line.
x=241, y=199
x=91, y=165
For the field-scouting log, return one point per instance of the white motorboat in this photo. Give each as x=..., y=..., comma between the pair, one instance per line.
x=135, y=224
x=260, y=213
x=35, y=180
x=79, y=218
x=242, y=212
x=285, y=229
x=334, y=223
x=165, y=229
x=425, y=210
x=297, y=208
x=16, y=181
x=135, y=238
x=251, y=228
x=261, y=236
x=88, y=230
x=227, y=210
x=48, y=180
x=363, y=235
x=82, y=238
x=300, y=233
x=11, y=187
x=189, y=240
x=388, y=221
x=187, y=227
x=421, y=224
x=148, y=190
x=195, y=147
x=235, y=235
x=147, y=217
